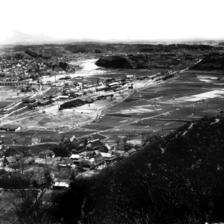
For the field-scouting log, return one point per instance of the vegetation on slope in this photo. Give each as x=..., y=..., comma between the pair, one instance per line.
x=177, y=179
x=138, y=61
x=214, y=61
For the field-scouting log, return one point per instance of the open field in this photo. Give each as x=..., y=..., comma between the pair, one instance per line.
x=154, y=110
x=161, y=109
x=49, y=117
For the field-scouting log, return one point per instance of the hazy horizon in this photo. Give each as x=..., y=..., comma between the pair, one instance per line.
x=93, y=41
x=48, y=21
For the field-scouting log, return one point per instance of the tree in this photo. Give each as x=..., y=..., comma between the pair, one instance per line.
x=64, y=148
x=32, y=209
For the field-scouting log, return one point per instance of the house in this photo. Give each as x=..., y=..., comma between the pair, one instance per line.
x=18, y=129
x=97, y=145
x=1, y=162
x=73, y=138
x=75, y=156
x=60, y=185
x=11, y=128
x=40, y=161
x=1, y=144
x=131, y=151
x=44, y=161
x=10, y=160
x=86, y=164
x=105, y=154
x=28, y=160
x=47, y=154
x=35, y=140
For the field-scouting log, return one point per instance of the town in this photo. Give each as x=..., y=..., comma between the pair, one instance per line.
x=111, y=112
x=39, y=84
x=51, y=106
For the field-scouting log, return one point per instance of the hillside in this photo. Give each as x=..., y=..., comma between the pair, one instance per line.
x=213, y=61
x=177, y=179
x=155, y=57
x=140, y=61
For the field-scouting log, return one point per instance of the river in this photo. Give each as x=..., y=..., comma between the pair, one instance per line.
x=87, y=68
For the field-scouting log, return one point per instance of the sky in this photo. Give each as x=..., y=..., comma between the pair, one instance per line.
x=110, y=20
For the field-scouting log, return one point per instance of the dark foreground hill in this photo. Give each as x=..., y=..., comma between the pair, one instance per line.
x=178, y=179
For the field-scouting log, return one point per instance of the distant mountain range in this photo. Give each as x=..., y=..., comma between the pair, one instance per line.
x=21, y=38
x=17, y=38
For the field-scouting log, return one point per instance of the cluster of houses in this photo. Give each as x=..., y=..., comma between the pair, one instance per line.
x=84, y=157
x=17, y=69
x=87, y=158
